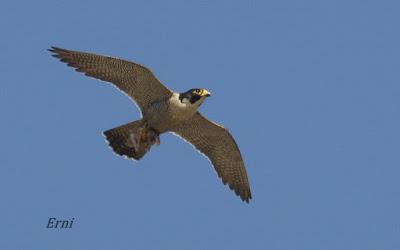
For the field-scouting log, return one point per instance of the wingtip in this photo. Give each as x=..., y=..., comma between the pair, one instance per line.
x=247, y=199
x=52, y=49
x=55, y=49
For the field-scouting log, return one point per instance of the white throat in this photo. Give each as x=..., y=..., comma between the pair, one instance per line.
x=183, y=108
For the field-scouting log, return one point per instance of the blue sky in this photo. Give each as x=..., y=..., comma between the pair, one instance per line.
x=309, y=89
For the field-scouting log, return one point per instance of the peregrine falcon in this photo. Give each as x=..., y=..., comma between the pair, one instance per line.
x=162, y=111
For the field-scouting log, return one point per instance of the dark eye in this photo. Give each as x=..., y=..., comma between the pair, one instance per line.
x=197, y=91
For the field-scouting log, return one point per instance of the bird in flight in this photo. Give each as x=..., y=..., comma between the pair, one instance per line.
x=162, y=111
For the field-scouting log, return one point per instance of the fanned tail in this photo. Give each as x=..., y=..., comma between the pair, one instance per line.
x=129, y=140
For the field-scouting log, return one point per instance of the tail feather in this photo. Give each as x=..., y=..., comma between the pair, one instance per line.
x=121, y=141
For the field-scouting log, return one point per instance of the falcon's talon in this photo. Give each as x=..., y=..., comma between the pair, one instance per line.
x=163, y=111
x=153, y=137
x=135, y=140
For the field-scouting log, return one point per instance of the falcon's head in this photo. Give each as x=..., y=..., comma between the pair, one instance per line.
x=194, y=96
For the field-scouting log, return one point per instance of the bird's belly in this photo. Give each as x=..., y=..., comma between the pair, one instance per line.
x=169, y=118
x=166, y=122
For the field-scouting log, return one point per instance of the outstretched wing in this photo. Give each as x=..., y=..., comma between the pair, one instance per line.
x=218, y=145
x=133, y=79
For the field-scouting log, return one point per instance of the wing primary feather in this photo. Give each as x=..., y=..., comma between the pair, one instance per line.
x=218, y=146
x=133, y=79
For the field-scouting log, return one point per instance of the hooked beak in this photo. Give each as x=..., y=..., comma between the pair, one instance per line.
x=205, y=93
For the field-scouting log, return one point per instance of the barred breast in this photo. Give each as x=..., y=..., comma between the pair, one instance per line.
x=164, y=115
